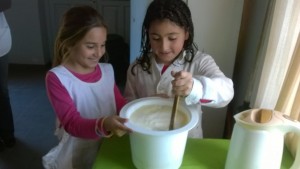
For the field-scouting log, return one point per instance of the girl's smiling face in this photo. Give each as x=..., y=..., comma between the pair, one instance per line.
x=166, y=40
x=85, y=55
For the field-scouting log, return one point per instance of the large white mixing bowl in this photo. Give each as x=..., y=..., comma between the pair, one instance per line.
x=158, y=149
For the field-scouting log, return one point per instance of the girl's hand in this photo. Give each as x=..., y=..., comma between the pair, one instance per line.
x=116, y=125
x=182, y=83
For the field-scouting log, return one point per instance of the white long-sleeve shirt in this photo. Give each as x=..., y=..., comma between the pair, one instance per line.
x=5, y=36
x=210, y=83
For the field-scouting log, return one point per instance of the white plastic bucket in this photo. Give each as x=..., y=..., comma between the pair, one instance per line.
x=158, y=149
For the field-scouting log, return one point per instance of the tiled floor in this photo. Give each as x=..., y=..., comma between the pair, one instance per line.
x=33, y=119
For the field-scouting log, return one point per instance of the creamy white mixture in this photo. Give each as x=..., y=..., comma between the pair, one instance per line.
x=157, y=118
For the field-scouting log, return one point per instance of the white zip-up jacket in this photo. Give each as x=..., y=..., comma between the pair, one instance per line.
x=210, y=83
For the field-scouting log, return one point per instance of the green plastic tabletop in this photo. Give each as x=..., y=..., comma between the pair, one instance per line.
x=115, y=153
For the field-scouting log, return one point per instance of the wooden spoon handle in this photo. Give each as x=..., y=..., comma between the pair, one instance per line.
x=174, y=110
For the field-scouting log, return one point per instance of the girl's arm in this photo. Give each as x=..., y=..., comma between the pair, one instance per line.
x=211, y=87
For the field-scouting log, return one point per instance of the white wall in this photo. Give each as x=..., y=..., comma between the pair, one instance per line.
x=217, y=25
x=137, y=14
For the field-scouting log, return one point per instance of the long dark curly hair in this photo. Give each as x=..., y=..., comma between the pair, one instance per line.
x=176, y=11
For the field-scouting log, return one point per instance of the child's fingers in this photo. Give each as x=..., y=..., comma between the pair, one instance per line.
x=120, y=128
x=176, y=74
x=119, y=132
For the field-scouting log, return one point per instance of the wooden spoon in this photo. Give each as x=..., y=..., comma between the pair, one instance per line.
x=174, y=110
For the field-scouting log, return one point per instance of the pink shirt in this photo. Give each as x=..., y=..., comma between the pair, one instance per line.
x=66, y=110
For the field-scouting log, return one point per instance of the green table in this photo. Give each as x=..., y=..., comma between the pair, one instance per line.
x=199, y=154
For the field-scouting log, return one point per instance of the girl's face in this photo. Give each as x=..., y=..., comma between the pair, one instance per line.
x=85, y=54
x=166, y=40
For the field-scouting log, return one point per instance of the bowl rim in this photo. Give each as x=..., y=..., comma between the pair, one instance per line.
x=130, y=107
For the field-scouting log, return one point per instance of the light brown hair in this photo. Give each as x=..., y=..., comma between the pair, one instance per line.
x=76, y=22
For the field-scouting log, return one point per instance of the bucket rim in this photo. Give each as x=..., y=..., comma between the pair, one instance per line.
x=130, y=107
